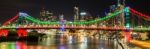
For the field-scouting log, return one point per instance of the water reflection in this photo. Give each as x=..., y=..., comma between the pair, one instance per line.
x=61, y=42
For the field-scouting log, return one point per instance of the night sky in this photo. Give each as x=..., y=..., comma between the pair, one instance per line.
x=8, y=8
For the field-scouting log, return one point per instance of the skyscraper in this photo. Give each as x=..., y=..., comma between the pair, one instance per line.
x=43, y=12
x=82, y=16
x=76, y=13
x=46, y=15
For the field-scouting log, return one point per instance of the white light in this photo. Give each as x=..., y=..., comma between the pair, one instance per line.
x=70, y=22
x=23, y=14
x=83, y=13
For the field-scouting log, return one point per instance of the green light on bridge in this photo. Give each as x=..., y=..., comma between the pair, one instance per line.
x=128, y=25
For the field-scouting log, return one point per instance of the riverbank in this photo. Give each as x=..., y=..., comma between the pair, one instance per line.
x=142, y=44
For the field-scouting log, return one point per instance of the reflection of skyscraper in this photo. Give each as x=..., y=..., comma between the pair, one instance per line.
x=76, y=15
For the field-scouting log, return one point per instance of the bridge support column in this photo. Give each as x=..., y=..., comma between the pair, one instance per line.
x=128, y=36
x=3, y=32
x=22, y=32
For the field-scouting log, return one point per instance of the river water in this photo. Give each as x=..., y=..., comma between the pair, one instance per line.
x=62, y=42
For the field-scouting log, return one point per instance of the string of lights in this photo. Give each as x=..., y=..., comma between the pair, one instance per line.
x=77, y=23
x=10, y=20
x=139, y=13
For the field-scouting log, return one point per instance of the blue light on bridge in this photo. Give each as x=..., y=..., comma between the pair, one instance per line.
x=62, y=27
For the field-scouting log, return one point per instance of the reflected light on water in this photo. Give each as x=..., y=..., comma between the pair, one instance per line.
x=3, y=46
x=21, y=45
x=11, y=46
x=31, y=47
x=70, y=39
x=62, y=39
x=60, y=42
x=62, y=47
x=17, y=45
x=83, y=46
x=39, y=47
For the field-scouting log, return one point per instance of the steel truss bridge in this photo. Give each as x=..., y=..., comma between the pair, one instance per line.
x=122, y=19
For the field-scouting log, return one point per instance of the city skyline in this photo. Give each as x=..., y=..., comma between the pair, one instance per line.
x=98, y=7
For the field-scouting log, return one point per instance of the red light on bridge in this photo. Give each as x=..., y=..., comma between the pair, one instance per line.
x=11, y=19
x=22, y=32
x=3, y=32
x=138, y=13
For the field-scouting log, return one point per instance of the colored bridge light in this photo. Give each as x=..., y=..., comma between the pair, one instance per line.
x=128, y=25
x=23, y=14
x=127, y=9
x=29, y=18
x=127, y=17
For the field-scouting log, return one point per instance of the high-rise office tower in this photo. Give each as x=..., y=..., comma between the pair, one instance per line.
x=76, y=13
